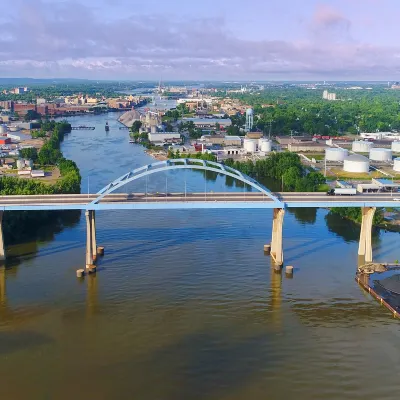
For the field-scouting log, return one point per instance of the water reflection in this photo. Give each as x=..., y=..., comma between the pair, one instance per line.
x=306, y=216
x=26, y=241
x=348, y=230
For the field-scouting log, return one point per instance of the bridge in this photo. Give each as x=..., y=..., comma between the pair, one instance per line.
x=263, y=198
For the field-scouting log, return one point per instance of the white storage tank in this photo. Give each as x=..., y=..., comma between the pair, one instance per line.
x=3, y=128
x=356, y=163
x=250, y=145
x=29, y=163
x=396, y=146
x=20, y=164
x=361, y=146
x=264, y=145
x=396, y=165
x=378, y=154
x=336, y=154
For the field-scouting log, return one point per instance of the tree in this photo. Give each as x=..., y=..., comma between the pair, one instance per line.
x=136, y=126
x=31, y=115
x=168, y=127
x=30, y=153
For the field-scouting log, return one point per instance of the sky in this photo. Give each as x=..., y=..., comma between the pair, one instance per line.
x=200, y=40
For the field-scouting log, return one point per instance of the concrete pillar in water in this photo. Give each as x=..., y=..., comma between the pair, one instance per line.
x=94, y=241
x=277, y=240
x=2, y=249
x=2, y=287
x=89, y=252
x=365, y=245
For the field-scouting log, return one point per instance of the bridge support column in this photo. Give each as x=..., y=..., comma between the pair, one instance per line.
x=94, y=241
x=276, y=243
x=365, y=245
x=2, y=249
x=89, y=239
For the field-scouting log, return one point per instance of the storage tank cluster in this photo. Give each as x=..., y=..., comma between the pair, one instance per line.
x=250, y=145
x=396, y=165
x=336, y=154
x=377, y=154
x=396, y=146
x=361, y=146
x=264, y=145
x=356, y=163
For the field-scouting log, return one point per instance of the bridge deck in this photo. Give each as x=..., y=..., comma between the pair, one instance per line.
x=203, y=200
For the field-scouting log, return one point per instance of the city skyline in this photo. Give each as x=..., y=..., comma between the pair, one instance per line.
x=214, y=40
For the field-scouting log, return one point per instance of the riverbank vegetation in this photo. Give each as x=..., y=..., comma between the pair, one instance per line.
x=354, y=214
x=285, y=167
x=19, y=224
x=285, y=110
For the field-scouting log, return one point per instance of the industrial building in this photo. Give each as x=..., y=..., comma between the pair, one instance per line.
x=285, y=140
x=306, y=146
x=164, y=137
x=378, y=185
x=208, y=123
x=222, y=140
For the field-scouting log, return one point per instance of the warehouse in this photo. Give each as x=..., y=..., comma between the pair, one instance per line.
x=306, y=146
x=222, y=140
x=164, y=137
x=208, y=123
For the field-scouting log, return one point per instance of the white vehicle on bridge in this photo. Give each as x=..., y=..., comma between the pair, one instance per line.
x=342, y=192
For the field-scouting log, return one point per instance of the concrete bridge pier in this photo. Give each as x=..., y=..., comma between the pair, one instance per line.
x=94, y=241
x=2, y=249
x=365, y=245
x=91, y=250
x=277, y=242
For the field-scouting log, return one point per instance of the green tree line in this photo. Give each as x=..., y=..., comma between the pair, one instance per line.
x=19, y=224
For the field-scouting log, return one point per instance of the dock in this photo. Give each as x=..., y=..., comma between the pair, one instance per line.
x=363, y=279
x=83, y=128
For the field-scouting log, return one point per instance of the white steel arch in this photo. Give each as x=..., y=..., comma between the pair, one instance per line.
x=183, y=163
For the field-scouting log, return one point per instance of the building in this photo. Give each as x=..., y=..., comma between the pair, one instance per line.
x=306, y=146
x=37, y=173
x=165, y=137
x=254, y=135
x=208, y=123
x=7, y=105
x=119, y=103
x=5, y=140
x=328, y=96
x=285, y=140
x=222, y=140
x=22, y=108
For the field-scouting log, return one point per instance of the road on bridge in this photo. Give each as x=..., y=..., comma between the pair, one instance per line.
x=190, y=200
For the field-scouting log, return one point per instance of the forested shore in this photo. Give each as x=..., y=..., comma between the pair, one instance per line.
x=20, y=225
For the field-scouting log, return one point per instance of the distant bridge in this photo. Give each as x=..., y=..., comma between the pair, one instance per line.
x=263, y=198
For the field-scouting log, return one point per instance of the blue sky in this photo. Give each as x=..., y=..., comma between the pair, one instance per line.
x=208, y=39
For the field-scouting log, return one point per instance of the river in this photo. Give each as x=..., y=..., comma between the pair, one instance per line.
x=185, y=304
